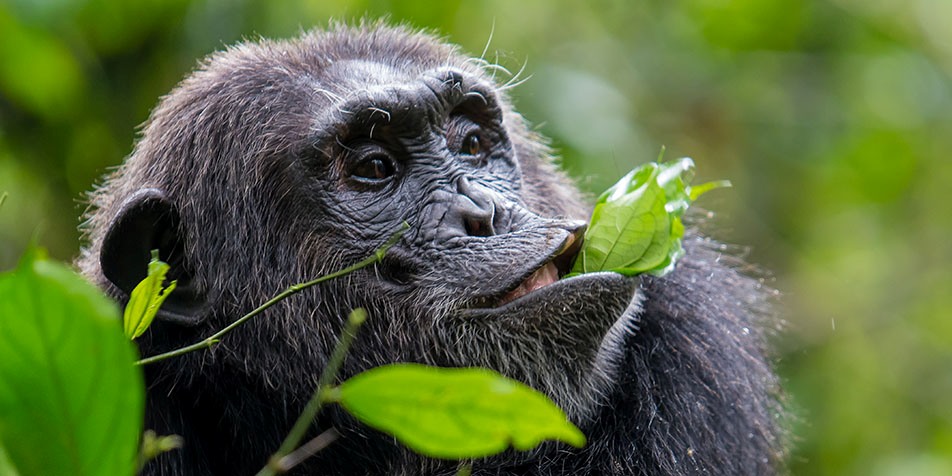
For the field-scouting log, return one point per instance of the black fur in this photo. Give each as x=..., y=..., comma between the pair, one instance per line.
x=243, y=180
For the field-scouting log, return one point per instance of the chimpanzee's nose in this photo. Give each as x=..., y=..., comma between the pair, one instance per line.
x=477, y=210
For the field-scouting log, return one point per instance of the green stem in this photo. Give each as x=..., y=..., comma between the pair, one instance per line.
x=320, y=396
x=3, y=198
x=214, y=338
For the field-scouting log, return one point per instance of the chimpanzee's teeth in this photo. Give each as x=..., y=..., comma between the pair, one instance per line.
x=543, y=276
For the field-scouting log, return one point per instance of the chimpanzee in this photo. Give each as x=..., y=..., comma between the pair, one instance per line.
x=279, y=161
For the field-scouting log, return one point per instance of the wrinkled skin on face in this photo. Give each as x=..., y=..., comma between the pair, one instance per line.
x=277, y=162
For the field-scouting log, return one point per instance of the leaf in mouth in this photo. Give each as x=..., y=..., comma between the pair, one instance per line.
x=636, y=225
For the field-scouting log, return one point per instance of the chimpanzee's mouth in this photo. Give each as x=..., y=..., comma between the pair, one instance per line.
x=553, y=269
x=541, y=291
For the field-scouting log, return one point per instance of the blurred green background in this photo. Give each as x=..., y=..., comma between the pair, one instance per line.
x=832, y=118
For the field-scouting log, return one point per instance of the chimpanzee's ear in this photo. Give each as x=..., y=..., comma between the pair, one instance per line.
x=148, y=221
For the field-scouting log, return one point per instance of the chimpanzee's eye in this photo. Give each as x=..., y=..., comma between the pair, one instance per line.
x=375, y=168
x=472, y=144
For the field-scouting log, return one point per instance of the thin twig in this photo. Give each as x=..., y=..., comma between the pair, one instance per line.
x=214, y=338
x=320, y=396
x=308, y=449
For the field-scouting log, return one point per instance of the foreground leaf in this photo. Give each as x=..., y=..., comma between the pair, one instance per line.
x=455, y=413
x=146, y=298
x=71, y=401
x=636, y=225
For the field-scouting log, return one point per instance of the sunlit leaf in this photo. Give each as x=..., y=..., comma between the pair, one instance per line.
x=71, y=401
x=455, y=413
x=636, y=225
x=146, y=299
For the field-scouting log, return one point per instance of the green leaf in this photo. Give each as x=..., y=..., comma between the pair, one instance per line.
x=154, y=445
x=146, y=298
x=698, y=190
x=636, y=225
x=71, y=401
x=455, y=413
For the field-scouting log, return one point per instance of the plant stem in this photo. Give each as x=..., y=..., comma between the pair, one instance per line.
x=308, y=449
x=214, y=338
x=320, y=396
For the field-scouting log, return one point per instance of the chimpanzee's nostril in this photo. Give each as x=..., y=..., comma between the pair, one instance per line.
x=479, y=226
x=476, y=206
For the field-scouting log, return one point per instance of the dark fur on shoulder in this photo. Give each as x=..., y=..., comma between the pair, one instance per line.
x=241, y=178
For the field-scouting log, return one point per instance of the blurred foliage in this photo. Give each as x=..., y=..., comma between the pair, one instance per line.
x=833, y=119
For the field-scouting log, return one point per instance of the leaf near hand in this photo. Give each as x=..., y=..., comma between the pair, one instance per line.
x=455, y=413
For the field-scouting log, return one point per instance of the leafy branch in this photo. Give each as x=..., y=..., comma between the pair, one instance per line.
x=294, y=289
x=494, y=411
